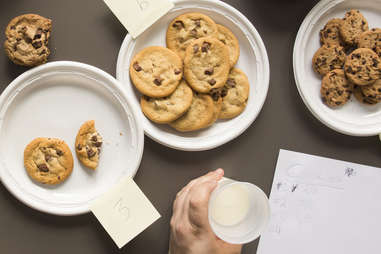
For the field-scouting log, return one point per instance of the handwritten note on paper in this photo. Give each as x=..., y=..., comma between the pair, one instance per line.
x=138, y=15
x=124, y=211
x=321, y=205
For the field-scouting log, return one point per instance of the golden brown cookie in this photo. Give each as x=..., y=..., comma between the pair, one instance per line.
x=330, y=34
x=328, y=58
x=168, y=109
x=336, y=89
x=227, y=37
x=371, y=40
x=358, y=93
x=88, y=144
x=198, y=116
x=372, y=92
x=206, y=64
x=48, y=160
x=27, y=39
x=186, y=28
x=156, y=71
x=353, y=25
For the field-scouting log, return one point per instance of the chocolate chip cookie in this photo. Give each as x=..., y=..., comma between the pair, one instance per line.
x=228, y=38
x=168, y=109
x=27, y=39
x=48, y=160
x=336, y=89
x=372, y=40
x=186, y=28
x=206, y=64
x=88, y=144
x=198, y=116
x=372, y=92
x=363, y=66
x=330, y=34
x=328, y=58
x=234, y=94
x=156, y=71
x=353, y=25
x=361, y=97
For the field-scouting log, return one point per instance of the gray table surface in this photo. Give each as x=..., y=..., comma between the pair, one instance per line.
x=86, y=31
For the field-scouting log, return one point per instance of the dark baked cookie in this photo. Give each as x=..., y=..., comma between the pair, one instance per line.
x=353, y=25
x=363, y=67
x=330, y=34
x=371, y=40
x=27, y=39
x=328, y=58
x=336, y=90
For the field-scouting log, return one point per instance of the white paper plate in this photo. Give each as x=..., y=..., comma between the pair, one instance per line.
x=53, y=100
x=253, y=61
x=353, y=118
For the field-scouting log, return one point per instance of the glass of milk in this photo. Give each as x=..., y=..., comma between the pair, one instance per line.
x=238, y=212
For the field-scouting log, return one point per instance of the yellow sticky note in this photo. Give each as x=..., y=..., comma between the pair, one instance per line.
x=138, y=15
x=124, y=211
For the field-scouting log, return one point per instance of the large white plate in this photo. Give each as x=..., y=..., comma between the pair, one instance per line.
x=53, y=100
x=353, y=118
x=253, y=61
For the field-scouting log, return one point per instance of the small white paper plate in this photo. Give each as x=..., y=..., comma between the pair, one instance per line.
x=53, y=100
x=253, y=61
x=353, y=118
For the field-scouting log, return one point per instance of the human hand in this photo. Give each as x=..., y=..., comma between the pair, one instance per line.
x=190, y=229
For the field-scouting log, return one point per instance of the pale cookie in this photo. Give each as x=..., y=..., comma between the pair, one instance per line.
x=353, y=25
x=336, y=90
x=363, y=66
x=330, y=34
x=27, y=39
x=234, y=94
x=228, y=38
x=156, y=71
x=206, y=64
x=198, y=116
x=372, y=92
x=328, y=58
x=88, y=144
x=186, y=28
x=168, y=109
x=361, y=97
x=371, y=40
x=48, y=160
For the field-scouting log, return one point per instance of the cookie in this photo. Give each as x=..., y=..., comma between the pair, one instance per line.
x=234, y=94
x=371, y=40
x=228, y=38
x=27, y=39
x=48, y=160
x=168, y=109
x=198, y=116
x=328, y=58
x=88, y=144
x=336, y=89
x=363, y=67
x=330, y=34
x=156, y=71
x=206, y=64
x=357, y=92
x=353, y=25
x=186, y=28
x=372, y=92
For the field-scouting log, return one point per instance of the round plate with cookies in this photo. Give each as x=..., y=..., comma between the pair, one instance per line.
x=200, y=75
x=337, y=65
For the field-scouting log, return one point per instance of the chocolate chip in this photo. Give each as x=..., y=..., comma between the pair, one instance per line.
x=193, y=32
x=94, y=138
x=231, y=83
x=212, y=82
x=58, y=177
x=157, y=81
x=357, y=55
x=349, y=69
x=375, y=62
x=42, y=52
x=209, y=71
x=146, y=98
x=137, y=67
x=177, y=71
x=338, y=102
x=28, y=40
x=38, y=34
x=197, y=22
x=98, y=144
x=224, y=92
x=379, y=90
x=195, y=48
x=47, y=157
x=13, y=27
x=37, y=44
x=205, y=46
x=363, y=62
x=90, y=152
x=43, y=167
x=340, y=92
x=79, y=147
x=178, y=24
x=215, y=93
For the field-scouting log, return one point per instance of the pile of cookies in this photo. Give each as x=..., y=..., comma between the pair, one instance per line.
x=50, y=161
x=349, y=61
x=193, y=82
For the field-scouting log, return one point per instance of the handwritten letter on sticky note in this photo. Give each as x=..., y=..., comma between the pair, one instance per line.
x=124, y=211
x=138, y=15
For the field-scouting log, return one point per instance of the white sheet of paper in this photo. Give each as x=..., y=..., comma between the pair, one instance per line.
x=137, y=15
x=124, y=211
x=321, y=205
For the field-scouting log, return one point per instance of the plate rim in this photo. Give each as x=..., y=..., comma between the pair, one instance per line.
x=318, y=10
x=84, y=208
x=208, y=145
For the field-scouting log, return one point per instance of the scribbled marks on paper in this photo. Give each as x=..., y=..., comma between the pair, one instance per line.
x=293, y=188
x=278, y=185
x=349, y=172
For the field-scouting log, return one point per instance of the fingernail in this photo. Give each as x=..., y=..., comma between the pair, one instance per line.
x=220, y=171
